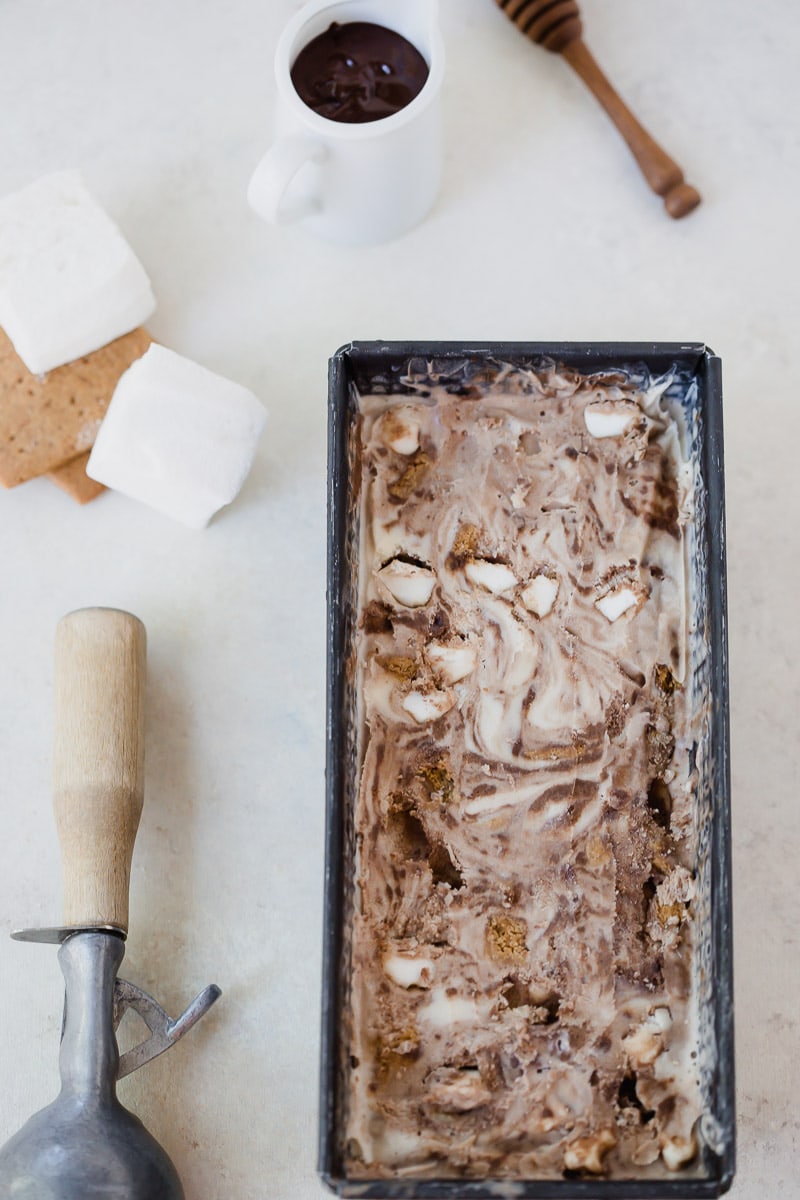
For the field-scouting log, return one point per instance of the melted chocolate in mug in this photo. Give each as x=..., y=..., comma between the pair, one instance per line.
x=358, y=72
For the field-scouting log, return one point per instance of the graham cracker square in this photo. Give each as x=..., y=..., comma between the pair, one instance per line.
x=48, y=420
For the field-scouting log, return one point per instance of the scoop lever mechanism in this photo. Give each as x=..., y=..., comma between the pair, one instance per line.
x=164, y=1031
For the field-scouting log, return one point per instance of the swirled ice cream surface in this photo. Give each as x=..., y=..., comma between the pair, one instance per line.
x=520, y=985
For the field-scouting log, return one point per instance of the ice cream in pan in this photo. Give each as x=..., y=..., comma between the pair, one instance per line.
x=520, y=999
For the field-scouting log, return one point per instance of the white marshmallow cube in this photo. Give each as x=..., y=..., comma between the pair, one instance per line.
x=617, y=602
x=428, y=706
x=607, y=419
x=177, y=437
x=408, y=583
x=494, y=577
x=454, y=662
x=409, y=970
x=539, y=595
x=69, y=282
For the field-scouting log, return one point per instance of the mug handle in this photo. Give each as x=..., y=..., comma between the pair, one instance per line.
x=275, y=172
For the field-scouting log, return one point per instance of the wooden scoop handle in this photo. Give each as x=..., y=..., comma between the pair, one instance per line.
x=98, y=760
x=661, y=172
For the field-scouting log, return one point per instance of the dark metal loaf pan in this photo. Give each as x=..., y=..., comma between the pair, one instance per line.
x=380, y=366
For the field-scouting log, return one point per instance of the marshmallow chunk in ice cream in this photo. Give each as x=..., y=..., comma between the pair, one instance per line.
x=494, y=577
x=453, y=663
x=539, y=595
x=177, y=437
x=409, y=970
x=428, y=706
x=408, y=583
x=610, y=419
x=400, y=431
x=69, y=282
x=617, y=602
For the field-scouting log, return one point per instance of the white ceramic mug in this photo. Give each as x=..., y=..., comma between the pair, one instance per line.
x=354, y=183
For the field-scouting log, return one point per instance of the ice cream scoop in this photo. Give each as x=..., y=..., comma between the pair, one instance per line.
x=556, y=25
x=86, y=1143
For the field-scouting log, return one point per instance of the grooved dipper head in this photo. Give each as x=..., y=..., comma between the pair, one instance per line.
x=550, y=23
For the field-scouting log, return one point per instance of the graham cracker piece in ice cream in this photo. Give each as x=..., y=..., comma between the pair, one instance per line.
x=48, y=420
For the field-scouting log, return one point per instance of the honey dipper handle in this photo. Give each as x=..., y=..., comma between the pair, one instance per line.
x=661, y=172
x=98, y=760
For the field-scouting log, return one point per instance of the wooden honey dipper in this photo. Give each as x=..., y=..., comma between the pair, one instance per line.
x=556, y=25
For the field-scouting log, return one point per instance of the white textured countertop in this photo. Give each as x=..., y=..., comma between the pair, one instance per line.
x=543, y=231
